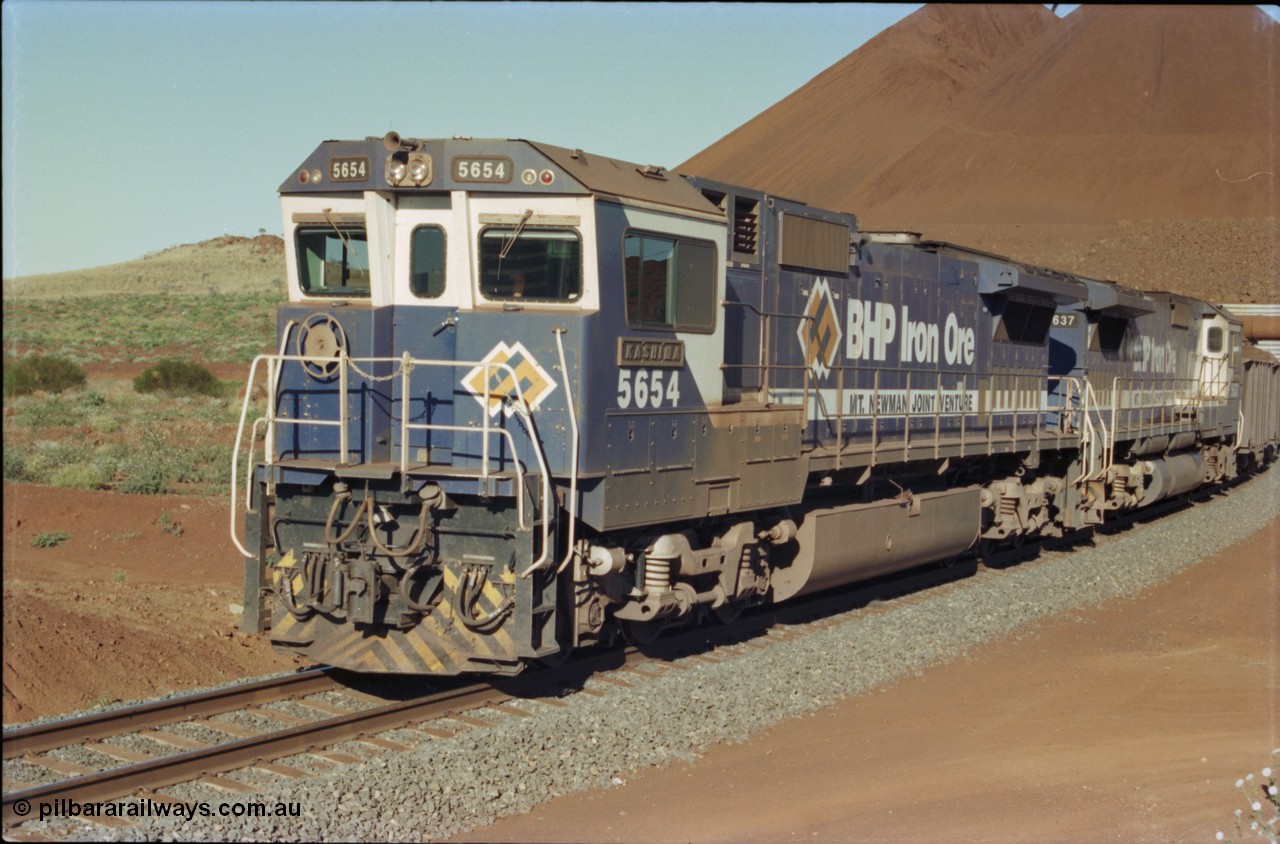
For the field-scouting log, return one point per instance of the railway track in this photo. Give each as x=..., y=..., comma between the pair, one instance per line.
x=195, y=760
x=411, y=706
x=139, y=773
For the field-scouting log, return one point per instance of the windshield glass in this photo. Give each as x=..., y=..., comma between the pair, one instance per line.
x=333, y=260
x=531, y=263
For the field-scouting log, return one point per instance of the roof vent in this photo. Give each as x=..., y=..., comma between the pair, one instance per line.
x=746, y=226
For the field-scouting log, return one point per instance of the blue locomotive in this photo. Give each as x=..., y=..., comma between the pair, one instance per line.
x=527, y=399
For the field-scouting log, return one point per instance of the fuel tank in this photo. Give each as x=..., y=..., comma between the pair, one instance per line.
x=839, y=545
x=1171, y=476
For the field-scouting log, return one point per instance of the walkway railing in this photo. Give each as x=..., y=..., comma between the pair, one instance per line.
x=269, y=422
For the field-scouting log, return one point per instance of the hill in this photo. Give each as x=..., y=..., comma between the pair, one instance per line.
x=825, y=140
x=227, y=264
x=1121, y=112
x=1137, y=142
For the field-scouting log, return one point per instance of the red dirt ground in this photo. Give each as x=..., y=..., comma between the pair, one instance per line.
x=123, y=609
x=1129, y=722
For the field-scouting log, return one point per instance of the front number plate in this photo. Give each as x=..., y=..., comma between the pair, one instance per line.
x=349, y=169
x=482, y=169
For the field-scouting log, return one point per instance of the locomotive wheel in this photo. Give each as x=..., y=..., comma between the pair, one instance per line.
x=990, y=549
x=728, y=612
x=554, y=661
x=641, y=633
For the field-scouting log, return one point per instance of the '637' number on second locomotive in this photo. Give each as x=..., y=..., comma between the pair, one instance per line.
x=644, y=388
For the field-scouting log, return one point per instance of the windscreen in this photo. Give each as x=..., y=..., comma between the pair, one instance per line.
x=333, y=260
x=531, y=263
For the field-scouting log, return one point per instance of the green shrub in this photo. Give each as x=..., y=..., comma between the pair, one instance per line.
x=49, y=373
x=178, y=378
x=169, y=526
x=15, y=465
x=103, y=423
x=147, y=474
x=46, y=412
x=150, y=467
x=47, y=458
x=215, y=464
x=49, y=539
x=92, y=474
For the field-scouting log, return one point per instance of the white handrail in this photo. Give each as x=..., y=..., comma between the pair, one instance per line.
x=1091, y=399
x=523, y=409
x=573, y=460
x=271, y=419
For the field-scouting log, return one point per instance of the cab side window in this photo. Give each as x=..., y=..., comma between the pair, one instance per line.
x=1213, y=341
x=670, y=283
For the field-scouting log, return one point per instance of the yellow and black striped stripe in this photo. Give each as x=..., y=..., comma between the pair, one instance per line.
x=439, y=644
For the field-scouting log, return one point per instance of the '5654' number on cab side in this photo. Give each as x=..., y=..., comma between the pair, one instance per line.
x=648, y=388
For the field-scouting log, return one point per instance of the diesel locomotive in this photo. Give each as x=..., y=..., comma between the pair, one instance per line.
x=527, y=399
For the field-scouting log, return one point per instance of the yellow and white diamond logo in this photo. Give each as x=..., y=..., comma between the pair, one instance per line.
x=820, y=333
x=500, y=391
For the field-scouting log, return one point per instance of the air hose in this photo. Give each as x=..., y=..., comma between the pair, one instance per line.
x=469, y=591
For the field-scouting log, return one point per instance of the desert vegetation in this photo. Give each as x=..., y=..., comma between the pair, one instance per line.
x=1262, y=818
x=131, y=328
x=40, y=373
x=227, y=265
x=118, y=391
x=108, y=436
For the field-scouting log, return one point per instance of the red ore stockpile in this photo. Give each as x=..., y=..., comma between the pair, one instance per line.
x=1130, y=142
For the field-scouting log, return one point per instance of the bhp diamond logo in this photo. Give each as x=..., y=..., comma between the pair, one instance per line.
x=534, y=381
x=820, y=334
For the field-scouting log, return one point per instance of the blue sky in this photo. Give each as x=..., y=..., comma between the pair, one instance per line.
x=129, y=127
x=133, y=126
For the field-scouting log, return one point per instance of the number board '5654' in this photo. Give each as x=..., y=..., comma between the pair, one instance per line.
x=648, y=388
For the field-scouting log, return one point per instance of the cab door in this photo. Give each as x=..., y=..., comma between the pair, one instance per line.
x=1215, y=374
x=430, y=284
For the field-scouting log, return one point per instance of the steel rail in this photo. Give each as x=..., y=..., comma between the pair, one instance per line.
x=41, y=737
x=190, y=765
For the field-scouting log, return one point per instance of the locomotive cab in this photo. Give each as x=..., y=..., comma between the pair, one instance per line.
x=461, y=317
x=1221, y=341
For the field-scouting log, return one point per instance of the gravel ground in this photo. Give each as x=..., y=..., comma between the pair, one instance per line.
x=449, y=785
x=198, y=732
x=22, y=771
